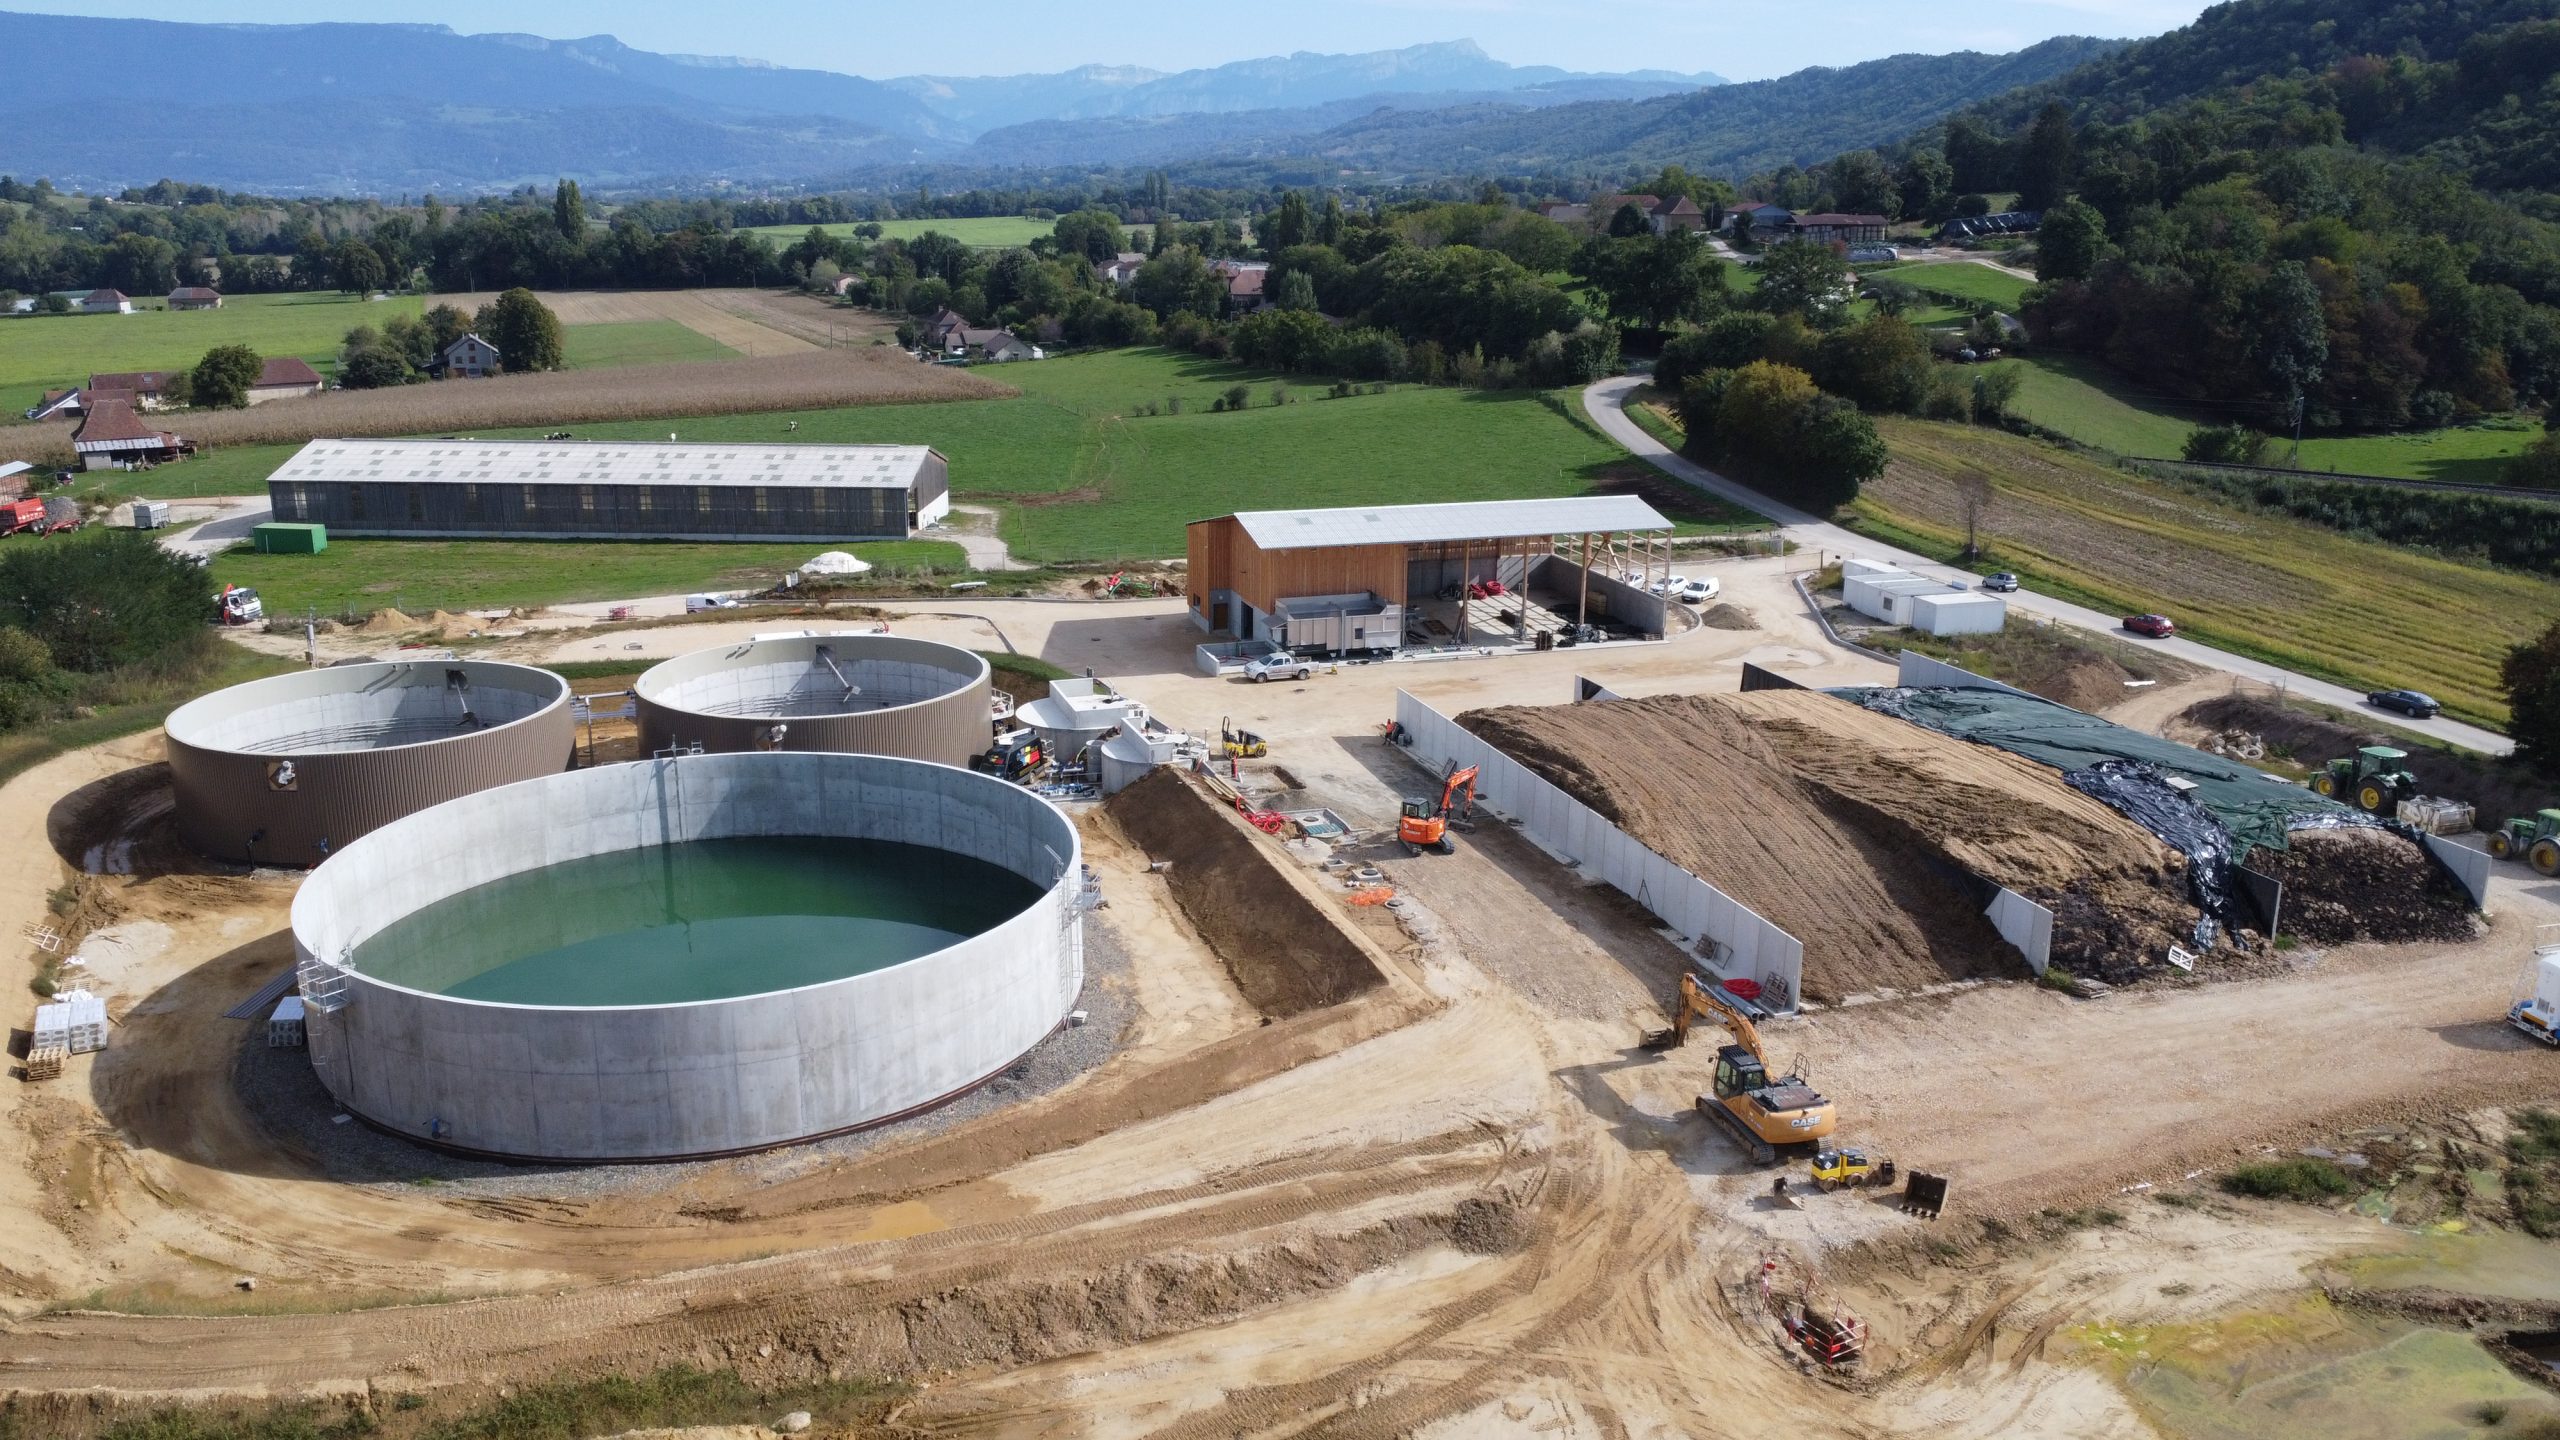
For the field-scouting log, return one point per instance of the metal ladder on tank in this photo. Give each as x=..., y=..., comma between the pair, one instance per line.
x=323, y=982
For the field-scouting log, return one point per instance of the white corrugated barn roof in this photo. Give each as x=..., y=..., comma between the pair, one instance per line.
x=1429, y=524
x=604, y=462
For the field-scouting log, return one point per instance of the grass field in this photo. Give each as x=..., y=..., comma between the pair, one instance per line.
x=637, y=342
x=418, y=576
x=41, y=352
x=1964, y=281
x=990, y=232
x=2082, y=398
x=2310, y=599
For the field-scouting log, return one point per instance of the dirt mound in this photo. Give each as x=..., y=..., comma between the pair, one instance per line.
x=2083, y=680
x=2362, y=883
x=1728, y=616
x=2496, y=789
x=1860, y=835
x=387, y=621
x=1287, y=952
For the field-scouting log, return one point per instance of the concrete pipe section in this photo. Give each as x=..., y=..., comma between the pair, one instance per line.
x=850, y=693
x=689, y=957
x=286, y=770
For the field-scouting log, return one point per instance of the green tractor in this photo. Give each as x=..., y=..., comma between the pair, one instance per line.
x=2534, y=839
x=2373, y=779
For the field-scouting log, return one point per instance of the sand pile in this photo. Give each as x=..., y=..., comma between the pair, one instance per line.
x=387, y=621
x=1859, y=834
x=1728, y=616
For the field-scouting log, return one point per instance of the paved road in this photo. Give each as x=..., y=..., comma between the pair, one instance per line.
x=1607, y=402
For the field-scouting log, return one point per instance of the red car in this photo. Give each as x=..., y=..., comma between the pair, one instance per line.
x=2158, y=627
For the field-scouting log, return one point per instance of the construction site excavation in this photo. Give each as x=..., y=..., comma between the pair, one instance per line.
x=688, y=957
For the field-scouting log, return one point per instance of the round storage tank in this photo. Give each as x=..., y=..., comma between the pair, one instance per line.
x=852, y=694
x=689, y=957
x=284, y=771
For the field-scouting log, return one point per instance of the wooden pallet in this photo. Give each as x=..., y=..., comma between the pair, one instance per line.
x=44, y=1062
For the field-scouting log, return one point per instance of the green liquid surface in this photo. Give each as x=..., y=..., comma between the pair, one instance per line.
x=702, y=920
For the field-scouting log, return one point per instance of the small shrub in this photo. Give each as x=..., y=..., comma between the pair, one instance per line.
x=2305, y=1178
x=1237, y=396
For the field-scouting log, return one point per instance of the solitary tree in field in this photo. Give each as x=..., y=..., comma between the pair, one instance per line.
x=2532, y=677
x=1973, y=490
x=221, y=380
x=356, y=267
x=525, y=331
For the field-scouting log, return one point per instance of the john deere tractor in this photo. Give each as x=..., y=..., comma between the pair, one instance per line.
x=2373, y=779
x=2534, y=839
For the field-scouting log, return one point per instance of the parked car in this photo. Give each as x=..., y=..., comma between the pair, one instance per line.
x=2000, y=582
x=2416, y=704
x=1670, y=584
x=1699, y=592
x=1263, y=669
x=695, y=604
x=2158, y=627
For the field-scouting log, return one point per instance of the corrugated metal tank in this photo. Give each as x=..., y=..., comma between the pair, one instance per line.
x=864, y=695
x=285, y=770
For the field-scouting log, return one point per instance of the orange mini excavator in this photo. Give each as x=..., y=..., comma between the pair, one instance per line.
x=1423, y=825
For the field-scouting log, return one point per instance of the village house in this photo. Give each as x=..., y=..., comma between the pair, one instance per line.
x=1244, y=281
x=57, y=404
x=285, y=378
x=106, y=302
x=939, y=327
x=1121, y=269
x=112, y=436
x=1835, y=229
x=998, y=346
x=145, y=389
x=195, y=297
x=470, y=357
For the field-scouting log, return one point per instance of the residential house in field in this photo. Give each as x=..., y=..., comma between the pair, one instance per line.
x=997, y=346
x=106, y=302
x=470, y=358
x=1119, y=270
x=1835, y=229
x=195, y=297
x=1566, y=212
x=145, y=389
x=1244, y=281
x=1680, y=214
x=57, y=405
x=938, y=327
x=114, y=436
x=28, y=304
x=285, y=378
x=1603, y=210
x=1660, y=215
x=1766, y=219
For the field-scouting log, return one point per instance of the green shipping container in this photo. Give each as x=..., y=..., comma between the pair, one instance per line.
x=282, y=538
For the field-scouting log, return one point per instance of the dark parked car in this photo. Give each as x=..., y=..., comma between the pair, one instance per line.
x=2158, y=627
x=2001, y=581
x=2416, y=704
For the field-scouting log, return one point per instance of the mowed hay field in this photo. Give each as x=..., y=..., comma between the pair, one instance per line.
x=42, y=352
x=417, y=576
x=724, y=316
x=2359, y=613
x=810, y=380
x=1962, y=280
x=985, y=232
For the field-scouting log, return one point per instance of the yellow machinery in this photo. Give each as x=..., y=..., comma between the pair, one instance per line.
x=1425, y=826
x=1847, y=1167
x=1760, y=1112
x=1240, y=744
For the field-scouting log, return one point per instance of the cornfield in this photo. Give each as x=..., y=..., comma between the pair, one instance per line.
x=818, y=380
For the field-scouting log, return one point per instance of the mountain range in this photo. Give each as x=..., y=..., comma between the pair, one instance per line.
x=360, y=108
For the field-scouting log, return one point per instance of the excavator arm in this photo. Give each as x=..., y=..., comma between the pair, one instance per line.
x=1697, y=1002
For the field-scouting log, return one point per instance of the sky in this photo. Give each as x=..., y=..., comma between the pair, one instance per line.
x=1749, y=40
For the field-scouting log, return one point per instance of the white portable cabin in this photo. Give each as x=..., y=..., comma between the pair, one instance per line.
x=284, y=1027
x=76, y=1022
x=1898, y=597
x=2538, y=1012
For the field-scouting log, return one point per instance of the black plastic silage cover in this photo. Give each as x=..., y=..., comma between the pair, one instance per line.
x=2145, y=796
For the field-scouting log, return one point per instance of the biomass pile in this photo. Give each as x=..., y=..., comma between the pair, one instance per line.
x=2364, y=883
x=1860, y=834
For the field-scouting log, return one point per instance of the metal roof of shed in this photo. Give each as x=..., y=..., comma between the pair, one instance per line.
x=605, y=462
x=1427, y=524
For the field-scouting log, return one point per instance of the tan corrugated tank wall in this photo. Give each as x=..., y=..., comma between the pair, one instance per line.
x=226, y=750
x=712, y=698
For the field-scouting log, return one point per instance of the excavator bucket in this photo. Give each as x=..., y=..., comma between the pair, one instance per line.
x=1924, y=1194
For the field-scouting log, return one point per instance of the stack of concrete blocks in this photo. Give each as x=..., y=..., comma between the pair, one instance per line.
x=284, y=1027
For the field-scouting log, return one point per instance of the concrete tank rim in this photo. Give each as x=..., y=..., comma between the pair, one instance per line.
x=200, y=710
x=742, y=654
x=1073, y=871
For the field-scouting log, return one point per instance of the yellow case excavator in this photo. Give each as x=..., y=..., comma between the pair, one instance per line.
x=1760, y=1112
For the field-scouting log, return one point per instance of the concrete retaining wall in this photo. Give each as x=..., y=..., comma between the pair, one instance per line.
x=1745, y=945
x=703, y=1078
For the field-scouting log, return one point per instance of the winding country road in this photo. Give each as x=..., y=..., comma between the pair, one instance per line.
x=1607, y=399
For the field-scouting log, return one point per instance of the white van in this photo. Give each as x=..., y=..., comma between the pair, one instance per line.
x=694, y=603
